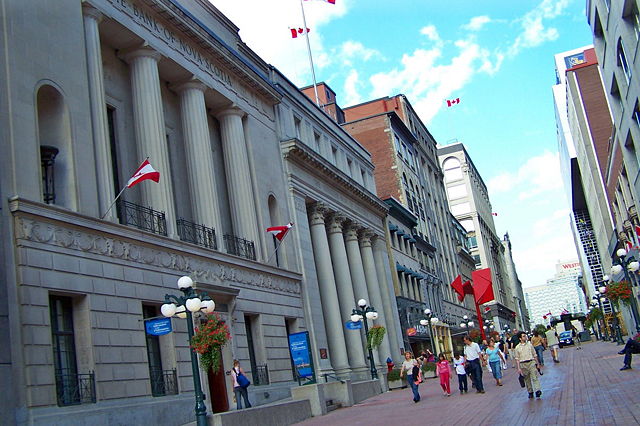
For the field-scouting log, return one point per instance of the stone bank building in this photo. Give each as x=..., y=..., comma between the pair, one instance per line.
x=89, y=89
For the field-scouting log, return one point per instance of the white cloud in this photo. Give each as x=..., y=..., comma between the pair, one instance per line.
x=476, y=23
x=431, y=32
x=534, y=32
x=350, y=51
x=537, y=175
x=351, y=85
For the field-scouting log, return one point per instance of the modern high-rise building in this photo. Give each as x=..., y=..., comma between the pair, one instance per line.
x=561, y=294
x=522, y=314
x=469, y=202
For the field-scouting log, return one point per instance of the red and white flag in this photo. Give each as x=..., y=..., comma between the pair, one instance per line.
x=144, y=172
x=545, y=316
x=280, y=231
x=494, y=214
x=628, y=245
x=452, y=102
x=298, y=31
x=564, y=312
x=326, y=1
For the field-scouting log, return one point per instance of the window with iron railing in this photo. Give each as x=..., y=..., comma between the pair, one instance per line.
x=239, y=247
x=141, y=217
x=197, y=234
x=75, y=389
x=163, y=382
x=261, y=375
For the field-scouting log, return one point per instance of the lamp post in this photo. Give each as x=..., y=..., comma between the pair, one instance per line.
x=431, y=320
x=184, y=307
x=606, y=332
x=616, y=326
x=363, y=314
x=598, y=331
x=627, y=265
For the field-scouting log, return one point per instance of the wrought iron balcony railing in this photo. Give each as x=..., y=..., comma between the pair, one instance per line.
x=75, y=389
x=142, y=217
x=239, y=247
x=261, y=375
x=163, y=382
x=197, y=234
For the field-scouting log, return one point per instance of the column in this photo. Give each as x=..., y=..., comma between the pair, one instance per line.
x=410, y=288
x=355, y=345
x=195, y=130
x=328, y=293
x=373, y=285
x=236, y=163
x=356, y=269
x=150, y=131
x=390, y=307
x=99, y=125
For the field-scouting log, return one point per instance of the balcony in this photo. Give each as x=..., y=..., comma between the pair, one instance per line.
x=239, y=247
x=75, y=389
x=141, y=217
x=197, y=234
x=163, y=382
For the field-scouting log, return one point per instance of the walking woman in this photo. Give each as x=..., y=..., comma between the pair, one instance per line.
x=495, y=361
x=407, y=369
x=239, y=391
x=537, y=341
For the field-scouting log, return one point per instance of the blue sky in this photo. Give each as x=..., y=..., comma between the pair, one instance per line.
x=495, y=55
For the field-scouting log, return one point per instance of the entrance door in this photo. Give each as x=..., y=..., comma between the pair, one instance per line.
x=218, y=389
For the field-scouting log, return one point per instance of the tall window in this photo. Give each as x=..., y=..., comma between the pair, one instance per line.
x=249, y=322
x=622, y=60
x=64, y=350
x=153, y=355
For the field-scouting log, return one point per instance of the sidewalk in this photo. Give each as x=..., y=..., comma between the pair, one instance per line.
x=585, y=388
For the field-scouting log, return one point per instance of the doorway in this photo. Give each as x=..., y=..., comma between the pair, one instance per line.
x=217, y=388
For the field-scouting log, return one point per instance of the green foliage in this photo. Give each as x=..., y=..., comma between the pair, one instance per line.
x=596, y=314
x=375, y=336
x=394, y=375
x=209, y=339
x=428, y=366
x=541, y=329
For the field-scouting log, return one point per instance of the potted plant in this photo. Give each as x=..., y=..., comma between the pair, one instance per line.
x=429, y=370
x=394, y=380
x=619, y=291
x=209, y=339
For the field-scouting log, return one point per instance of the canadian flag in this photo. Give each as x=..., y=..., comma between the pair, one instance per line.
x=564, y=311
x=452, y=102
x=637, y=228
x=144, y=172
x=494, y=214
x=628, y=245
x=280, y=231
x=545, y=316
x=296, y=31
x=326, y=1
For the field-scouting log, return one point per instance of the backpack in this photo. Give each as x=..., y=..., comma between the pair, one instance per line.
x=242, y=380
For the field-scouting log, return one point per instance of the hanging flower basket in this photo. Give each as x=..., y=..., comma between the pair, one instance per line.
x=619, y=291
x=209, y=339
x=375, y=336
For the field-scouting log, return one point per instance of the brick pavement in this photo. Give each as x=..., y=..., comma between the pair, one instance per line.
x=585, y=388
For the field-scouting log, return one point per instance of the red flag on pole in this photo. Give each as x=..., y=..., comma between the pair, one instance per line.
x=482, y=286
x=280, y=231
x=457, y=287
x=296, y=31
x=144, y=172
x=452, y=102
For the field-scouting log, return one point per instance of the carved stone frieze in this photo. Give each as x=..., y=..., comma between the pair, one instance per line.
x=202, y=270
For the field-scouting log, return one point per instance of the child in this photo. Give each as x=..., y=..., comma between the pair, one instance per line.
x=442, y=368
x=458, y=362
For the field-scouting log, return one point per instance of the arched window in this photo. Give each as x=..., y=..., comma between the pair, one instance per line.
x=451, y=169
x=54, y=137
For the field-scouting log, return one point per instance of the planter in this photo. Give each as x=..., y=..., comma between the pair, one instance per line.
x=397, y=384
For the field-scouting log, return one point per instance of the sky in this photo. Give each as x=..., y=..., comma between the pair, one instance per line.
x=496, y=56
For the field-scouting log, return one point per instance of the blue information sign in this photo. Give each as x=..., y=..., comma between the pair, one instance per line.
x=353, y=325
x=158, y=327
x=301, y=353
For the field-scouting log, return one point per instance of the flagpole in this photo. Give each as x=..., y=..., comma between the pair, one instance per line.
x=114, y=201
x=313, y=73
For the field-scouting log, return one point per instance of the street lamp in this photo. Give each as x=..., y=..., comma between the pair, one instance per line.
x=627, y=265
x=184, y=307
x=431, y=320
x=598, y=331
x=616, y=326
x=596, y=297
x=363, y=314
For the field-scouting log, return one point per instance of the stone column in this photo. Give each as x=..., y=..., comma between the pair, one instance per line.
x=369, y=264
x=355, y=345
x=390, y=307
x=99, y=124
x=328, y=293
x=356, y=269
x=236, y=163
x=151, y=137
x=411, y=289
x=195, y=130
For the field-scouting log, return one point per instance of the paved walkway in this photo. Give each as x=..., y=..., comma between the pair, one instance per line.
x=585, y=388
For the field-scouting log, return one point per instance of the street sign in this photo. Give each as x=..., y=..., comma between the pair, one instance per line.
x=158, y=327
x=350, y=325
x=300, y=351
x=411, y=331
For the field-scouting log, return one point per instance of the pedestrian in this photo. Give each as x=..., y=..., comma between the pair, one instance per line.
x=473, y=356
x=458, y=363
x=239, y=388
x=495, y=359
x=513, y=342
x=443, y=371
x=576, y=337
x=538, y=344
x=527, y=361
x=507, y=340
x=632, y=347
x=407, y=368
x=552, y=342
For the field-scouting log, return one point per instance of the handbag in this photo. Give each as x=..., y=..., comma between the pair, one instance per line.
x=242, y=380
x=521, y=380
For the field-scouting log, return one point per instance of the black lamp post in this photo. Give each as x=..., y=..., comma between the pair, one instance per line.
x=596, y=297
x=363, y=314
x=598, y=331
x=184, y=307
x=627, y=265
x=616, y=325
x=430, y=321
